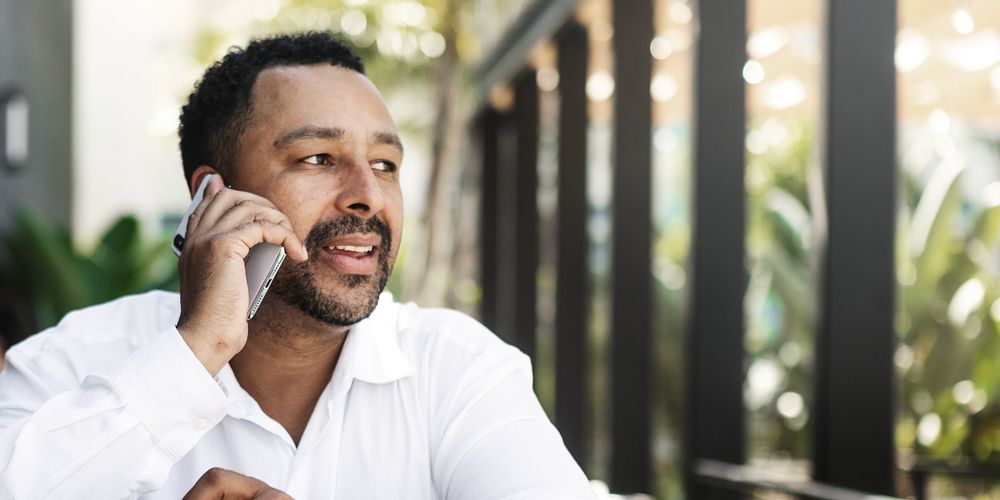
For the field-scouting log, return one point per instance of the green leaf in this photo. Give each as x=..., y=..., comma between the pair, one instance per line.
x=47, y=268
x=932, y=240
x=41, y=266
x=987, y=227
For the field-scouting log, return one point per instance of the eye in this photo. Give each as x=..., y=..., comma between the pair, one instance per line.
x=384, y=166
x=320, y=159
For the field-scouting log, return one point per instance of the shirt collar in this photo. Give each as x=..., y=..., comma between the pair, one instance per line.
x=371, y=351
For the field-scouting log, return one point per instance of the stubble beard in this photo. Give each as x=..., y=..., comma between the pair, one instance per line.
x=296, y=284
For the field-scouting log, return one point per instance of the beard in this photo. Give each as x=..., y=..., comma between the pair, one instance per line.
x=296, y=284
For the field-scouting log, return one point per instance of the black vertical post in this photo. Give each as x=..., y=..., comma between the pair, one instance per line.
x=572, y=272
x=507, y=233
x=631, y=299
x=855, y=345
x=526, y=210
x=488, y=128
x=714, y=386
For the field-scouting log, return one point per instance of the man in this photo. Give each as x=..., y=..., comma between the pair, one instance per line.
x=332, y=390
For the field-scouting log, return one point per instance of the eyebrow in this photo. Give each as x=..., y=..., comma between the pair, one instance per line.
x=309, y=132
x=305, y=133
x=388, y=138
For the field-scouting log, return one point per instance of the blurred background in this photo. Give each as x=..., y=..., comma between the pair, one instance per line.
x=752, y=246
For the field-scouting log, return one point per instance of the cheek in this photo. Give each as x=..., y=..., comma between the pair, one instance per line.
x=303, y=210
x=394, y=215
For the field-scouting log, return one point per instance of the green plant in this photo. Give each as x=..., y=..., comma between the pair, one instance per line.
x=45, y=274
x=781, y=291
x=950, y=298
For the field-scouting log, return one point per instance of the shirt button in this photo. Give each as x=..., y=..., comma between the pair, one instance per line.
x=202, y=424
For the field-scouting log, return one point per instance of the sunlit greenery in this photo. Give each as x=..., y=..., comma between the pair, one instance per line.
x=781, y=296
x=671, y=246
x=949, y=316
x=949, y=297
x=398, y=39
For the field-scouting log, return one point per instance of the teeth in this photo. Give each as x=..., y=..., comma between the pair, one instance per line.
x=352, y=248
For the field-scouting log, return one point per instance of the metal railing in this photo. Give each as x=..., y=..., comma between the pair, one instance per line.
x=750, y=479
x=922, y=471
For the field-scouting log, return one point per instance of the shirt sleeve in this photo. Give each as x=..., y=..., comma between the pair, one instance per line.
x=498, y=443
x=114, y=435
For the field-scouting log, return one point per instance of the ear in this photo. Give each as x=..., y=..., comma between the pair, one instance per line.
x=199, y=174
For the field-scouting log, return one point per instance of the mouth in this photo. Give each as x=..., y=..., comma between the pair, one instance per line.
x=353, y=250
x=353, y=254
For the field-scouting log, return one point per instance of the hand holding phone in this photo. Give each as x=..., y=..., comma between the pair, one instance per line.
x=230, y=244
x=262, y=262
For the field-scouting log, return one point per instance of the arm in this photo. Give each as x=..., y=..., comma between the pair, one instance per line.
x=78, y=425
x=113, y=434
x=497, y=442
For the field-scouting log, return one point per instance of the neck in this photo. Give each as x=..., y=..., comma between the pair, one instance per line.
x=288, y=360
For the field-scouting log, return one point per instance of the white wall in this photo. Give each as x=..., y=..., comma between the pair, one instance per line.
x=131, y=73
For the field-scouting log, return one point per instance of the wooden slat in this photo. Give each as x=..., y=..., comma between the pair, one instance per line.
x=631, y=292
x=488, y=129
x=714, y=424
x=855, y=394
x=525, y=211
x=572, y=272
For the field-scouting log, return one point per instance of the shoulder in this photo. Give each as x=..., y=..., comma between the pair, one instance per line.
x=447, y=348
x=130, y=320
x=431, y=328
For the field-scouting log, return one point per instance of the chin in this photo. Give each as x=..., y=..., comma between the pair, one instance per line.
x=347, y=300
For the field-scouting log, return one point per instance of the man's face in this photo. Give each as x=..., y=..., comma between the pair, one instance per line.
x=322, y=147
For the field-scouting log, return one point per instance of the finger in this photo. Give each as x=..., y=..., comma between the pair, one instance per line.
x=214, y=187
x=229, y=198
x=218, y=483
x=222, y=201
x=249, y=210
x=251, y=233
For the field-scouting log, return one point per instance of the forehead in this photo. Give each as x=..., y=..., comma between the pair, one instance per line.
x=321, y=95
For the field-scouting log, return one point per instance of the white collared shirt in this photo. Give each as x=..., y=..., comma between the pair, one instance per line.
x=424, y=403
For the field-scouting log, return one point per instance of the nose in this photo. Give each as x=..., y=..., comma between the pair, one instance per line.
x=360, y=192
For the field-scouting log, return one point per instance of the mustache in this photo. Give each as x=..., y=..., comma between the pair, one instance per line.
x=348, y=224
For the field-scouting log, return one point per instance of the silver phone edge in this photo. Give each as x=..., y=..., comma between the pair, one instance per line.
x=181, y=231
x=267, y=284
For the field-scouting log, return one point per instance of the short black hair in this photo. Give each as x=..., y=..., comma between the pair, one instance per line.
x=218, y=110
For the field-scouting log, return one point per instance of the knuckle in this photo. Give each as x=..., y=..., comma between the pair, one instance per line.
x=274, y=215
x=267, y=224
x=244, y=203
x=214, y=476
x=256, y=225
x=219, y=197
x=271, y=209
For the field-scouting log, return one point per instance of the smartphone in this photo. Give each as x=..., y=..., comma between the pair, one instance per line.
x=261, y=263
